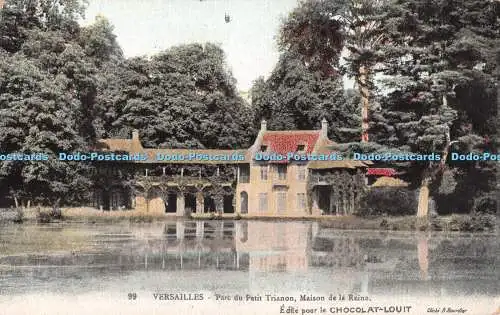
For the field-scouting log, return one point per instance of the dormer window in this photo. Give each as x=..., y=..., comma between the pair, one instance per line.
x=263, y=148
x=301, y=148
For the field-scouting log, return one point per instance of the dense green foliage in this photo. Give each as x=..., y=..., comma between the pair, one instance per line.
x=428, y=73
x=182, y=97
x=441, y=91
x=295, y=97
x=394, y=201
x=322, y=31
x=46, y=89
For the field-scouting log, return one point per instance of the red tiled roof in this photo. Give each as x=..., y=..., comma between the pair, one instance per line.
x=381, y=171
x=284, y=142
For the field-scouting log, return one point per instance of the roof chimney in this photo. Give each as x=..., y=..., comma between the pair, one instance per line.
x=135, y=135
x=263, y=125
x=324, y=128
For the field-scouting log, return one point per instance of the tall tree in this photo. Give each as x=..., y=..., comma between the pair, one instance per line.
x=38, y=117
x=19, y=16
x=296, y=97
x=439, y=59
x=322, y=30
x=182, y=97
x=50, y=75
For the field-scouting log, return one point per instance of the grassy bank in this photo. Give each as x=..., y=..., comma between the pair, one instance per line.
x=90, y=215
x=80, y=214
x=463, y=223
x=459, y=223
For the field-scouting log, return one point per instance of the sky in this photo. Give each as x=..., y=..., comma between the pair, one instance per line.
x=144, y=27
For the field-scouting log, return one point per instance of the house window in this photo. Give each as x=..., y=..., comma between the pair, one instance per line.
x=263, y=148
x=301, y=148
x=263, y=202
x=263, y=172
x=301, y=201
x=244, y=174
x=281, y=172
x=244, y=202
x=301, y=172
x=281, y=202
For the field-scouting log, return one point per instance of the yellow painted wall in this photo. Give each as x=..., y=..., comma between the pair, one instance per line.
x=270, y=186
x=156, y=205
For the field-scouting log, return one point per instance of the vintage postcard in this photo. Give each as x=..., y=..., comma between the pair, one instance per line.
x=249, y=157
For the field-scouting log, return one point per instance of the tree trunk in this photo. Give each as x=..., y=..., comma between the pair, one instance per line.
x=365, y=101
x=423, y=197
x=16, y=202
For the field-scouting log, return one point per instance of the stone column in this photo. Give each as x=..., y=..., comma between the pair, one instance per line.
x=344, y=203
x=180, y=204
x=219, y=203
x=315, y=207
x=352, y=202
x=338, y=203
x=132, y=200
x=199, y=202
x=332, y=200
x=235, y=209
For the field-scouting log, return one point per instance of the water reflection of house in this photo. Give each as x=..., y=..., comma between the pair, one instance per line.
x=275, y=246
x=338, y=252
x=248, y=181
x=190, y=245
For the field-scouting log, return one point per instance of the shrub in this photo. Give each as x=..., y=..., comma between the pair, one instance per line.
x=19, y=217
x=56, y=213
x=44, y=216
x=486, y=204
x=471, y=223
x=395, y=201
x=12, y=215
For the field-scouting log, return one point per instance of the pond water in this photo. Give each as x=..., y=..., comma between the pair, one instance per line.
x=196, y=267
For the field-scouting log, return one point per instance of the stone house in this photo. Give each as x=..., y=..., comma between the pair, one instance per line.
x=284, y=173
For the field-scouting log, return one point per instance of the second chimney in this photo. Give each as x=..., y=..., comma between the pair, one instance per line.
x=135, y=135
x=263, y=125
x=324, y=128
